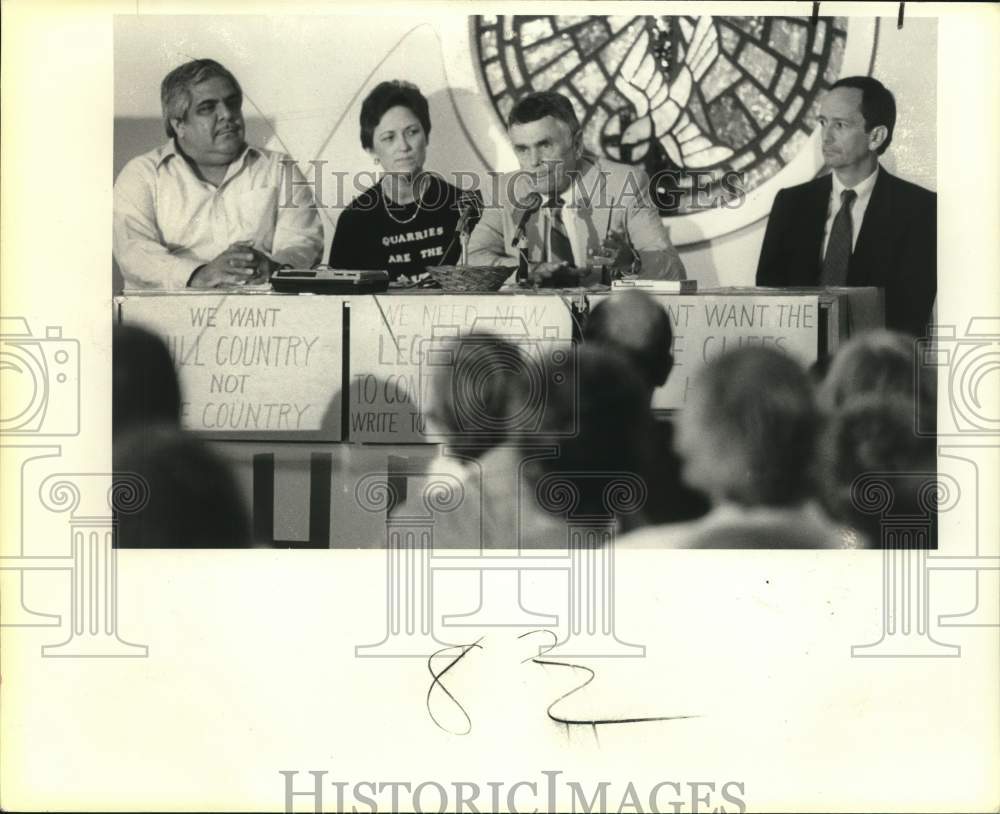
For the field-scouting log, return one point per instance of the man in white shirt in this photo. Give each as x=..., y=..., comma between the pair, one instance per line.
x=206, y=209
x=859, y=225
x=582, y=203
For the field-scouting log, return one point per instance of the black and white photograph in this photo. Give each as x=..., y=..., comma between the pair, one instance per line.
x=459, y=408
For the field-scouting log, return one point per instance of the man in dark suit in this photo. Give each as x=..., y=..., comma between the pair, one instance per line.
x=859, y=225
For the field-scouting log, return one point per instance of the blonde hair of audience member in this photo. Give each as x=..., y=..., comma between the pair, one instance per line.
x=877, y=363
x=873, y=435
x=747, y=433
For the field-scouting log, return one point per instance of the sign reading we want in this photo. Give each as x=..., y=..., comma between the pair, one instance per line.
x=707, y=325
x=251, y=366
x=271, y=366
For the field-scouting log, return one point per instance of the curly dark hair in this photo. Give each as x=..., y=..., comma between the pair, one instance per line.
x=386, y=96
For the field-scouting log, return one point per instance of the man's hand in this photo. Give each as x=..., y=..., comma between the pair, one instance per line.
x=553, y=275
x=617, y=245
x=240, y=264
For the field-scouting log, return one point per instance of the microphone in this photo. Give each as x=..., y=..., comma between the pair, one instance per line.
x=469, y=207
x=534, y=204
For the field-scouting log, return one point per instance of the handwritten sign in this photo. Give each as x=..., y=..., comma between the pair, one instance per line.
x=251, y=365
x=390, y=338
x=706, y=325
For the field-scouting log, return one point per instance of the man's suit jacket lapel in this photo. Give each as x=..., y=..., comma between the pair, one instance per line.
x=591, y=191
x=814, y=223
x=874, y=233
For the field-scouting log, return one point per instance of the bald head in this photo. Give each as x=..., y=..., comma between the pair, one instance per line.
x=635, y=324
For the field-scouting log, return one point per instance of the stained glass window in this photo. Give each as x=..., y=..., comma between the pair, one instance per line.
x=684, y=97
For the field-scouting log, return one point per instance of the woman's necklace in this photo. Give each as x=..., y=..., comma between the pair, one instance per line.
x=416, y=199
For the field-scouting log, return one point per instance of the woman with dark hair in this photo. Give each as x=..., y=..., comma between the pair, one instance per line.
x=407, y=221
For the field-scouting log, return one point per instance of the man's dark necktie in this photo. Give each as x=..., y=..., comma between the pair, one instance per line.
x=840, y=244
x=560, y=249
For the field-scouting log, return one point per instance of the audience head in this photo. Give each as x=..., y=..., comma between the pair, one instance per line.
x=599, y=423
x=192, y=499
x=878, y=363
x=480, y=392
x=873, y=435
x=747, y=433
x=633, y=323
x=144, y=384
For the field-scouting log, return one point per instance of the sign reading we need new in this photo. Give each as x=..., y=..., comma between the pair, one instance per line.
x=392, y=338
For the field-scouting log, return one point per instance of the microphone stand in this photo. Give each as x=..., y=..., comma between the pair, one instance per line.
x=462, y=234
x=522, y=260
x=463, y=240
x=520, y=241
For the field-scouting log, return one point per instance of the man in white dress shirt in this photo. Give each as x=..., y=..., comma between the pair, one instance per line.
x=206, y=209
x=585, y=203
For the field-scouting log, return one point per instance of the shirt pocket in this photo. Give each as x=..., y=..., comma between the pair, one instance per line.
x=255, y=217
